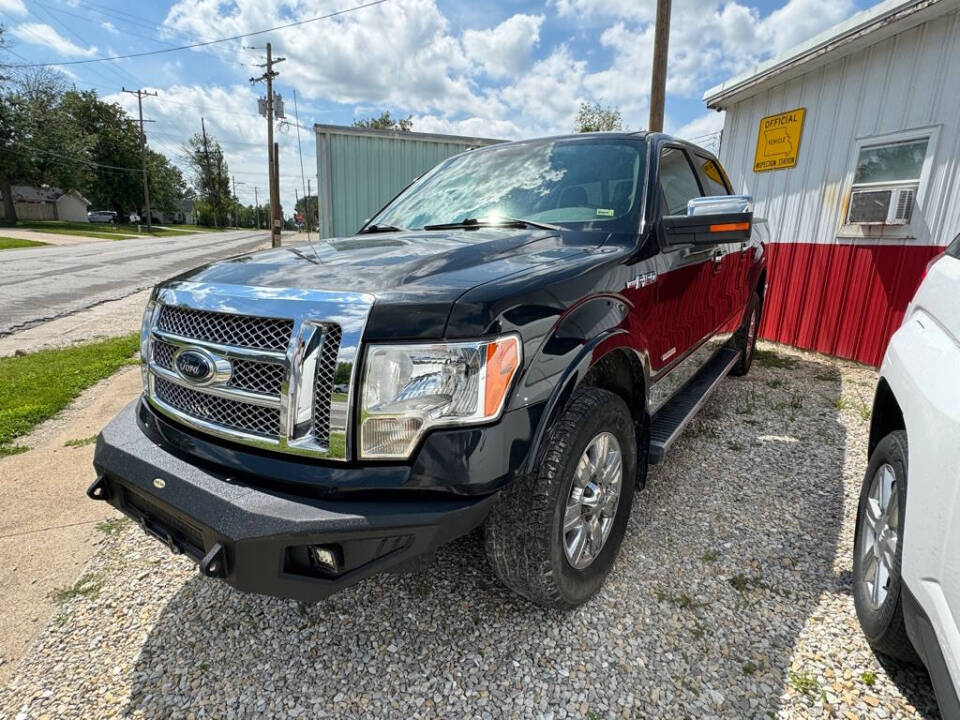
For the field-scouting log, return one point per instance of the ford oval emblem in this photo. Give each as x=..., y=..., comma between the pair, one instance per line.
x=195, y=366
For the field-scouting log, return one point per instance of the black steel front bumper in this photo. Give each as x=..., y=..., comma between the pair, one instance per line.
x=256, y=539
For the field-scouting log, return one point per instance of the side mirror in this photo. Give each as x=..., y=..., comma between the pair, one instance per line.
x=710, y=221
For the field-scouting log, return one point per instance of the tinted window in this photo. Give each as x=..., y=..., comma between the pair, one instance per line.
x=593, y=184
x=677, y=181
x=954, y=249
x=711, y=176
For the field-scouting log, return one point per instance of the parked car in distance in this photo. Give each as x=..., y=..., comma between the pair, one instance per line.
x=522, y=331
x=906, y=565
x=102, y=216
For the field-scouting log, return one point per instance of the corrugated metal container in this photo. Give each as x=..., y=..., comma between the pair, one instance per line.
x=837, y=287
x=360, y=170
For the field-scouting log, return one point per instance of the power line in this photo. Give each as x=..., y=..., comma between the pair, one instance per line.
x=208, y=42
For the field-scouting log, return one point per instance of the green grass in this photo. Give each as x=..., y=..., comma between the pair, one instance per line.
x=81, y=442
x=338, y=397
x=804, y=683
x=9, y=243
x=36, y=386
x=105, y=231
x=111, y=526
x=88, y=585
x=869, y=678
x=749, y=668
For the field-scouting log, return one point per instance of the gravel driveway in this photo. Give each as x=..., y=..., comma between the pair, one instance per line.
x=731, y=599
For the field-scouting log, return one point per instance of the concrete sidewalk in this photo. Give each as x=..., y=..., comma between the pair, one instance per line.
x=48, y=527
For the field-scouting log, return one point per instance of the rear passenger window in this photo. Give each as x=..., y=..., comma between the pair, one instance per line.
x=954, y=249
x=711, y=176
x=677, y=181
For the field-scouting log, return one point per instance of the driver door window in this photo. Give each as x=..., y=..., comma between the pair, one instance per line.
x=677, y=181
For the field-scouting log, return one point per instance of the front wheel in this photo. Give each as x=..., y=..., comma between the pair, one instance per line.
x=878, y=549
x=554, y=535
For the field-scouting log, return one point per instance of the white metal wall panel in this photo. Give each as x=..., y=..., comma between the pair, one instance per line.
x=906, y=82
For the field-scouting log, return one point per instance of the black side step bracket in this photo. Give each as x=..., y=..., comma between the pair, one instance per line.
x=671, y=419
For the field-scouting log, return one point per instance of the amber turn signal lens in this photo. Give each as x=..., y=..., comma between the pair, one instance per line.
x=729, y=227
x=503, y=359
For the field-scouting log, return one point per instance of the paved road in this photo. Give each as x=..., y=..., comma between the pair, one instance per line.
x=40, y=284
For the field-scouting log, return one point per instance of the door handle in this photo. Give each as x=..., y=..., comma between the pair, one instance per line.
x=718, y=256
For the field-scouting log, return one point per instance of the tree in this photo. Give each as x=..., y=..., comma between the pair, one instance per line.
x=39, y=142
x=594, y=117
x=307, y=206
x=166, y=182
x=385, y=122
x=211, y=179
x=116, y=181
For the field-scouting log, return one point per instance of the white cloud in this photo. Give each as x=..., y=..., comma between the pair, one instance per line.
x=13, y=7
x=109, y=27
x=495, y=82
x=504, y=50
x=43, y=34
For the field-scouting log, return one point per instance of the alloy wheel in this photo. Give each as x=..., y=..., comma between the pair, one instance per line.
x=879, y=535
x=593, y=501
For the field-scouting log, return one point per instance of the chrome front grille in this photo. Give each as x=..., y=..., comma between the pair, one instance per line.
x=281, y=364
x=258, y=377
x=261, y=333
x=242, y=416
x=323, y=387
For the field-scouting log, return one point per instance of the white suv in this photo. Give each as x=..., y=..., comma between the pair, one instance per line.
x=906, y=563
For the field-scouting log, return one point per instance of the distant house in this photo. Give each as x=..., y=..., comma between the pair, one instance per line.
x=183, y=215
x=49, y=203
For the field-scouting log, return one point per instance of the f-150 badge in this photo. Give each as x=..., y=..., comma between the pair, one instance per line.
x=642, y=280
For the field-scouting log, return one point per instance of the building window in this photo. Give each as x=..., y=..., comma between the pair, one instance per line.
x=886, y=181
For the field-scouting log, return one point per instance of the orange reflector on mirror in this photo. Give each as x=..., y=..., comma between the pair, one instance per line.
x=730, y=227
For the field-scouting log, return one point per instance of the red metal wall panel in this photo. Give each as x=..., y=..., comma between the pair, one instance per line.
x=840, y=299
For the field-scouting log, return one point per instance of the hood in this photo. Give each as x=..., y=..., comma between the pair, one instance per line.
x=415, y=276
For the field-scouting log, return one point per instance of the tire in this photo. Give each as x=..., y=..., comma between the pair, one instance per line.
x=524, y=538
x=746, y=337
x=882, y=622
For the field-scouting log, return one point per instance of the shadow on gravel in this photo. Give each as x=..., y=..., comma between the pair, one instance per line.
x=729, y=557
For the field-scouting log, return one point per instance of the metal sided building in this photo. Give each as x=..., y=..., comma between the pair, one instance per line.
x=360, y=170
x=850, y=146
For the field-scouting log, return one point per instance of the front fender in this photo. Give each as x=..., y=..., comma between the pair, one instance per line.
x=569, y=353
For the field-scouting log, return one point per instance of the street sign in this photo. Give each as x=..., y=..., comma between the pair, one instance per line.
x=778, y=140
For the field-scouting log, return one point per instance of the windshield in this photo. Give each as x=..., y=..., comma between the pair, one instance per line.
x=586, y=184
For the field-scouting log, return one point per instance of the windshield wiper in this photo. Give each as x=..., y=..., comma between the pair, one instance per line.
x=470, y=223
x=370, y=229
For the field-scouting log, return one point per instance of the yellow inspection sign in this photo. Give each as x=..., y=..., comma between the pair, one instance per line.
x=778, y=141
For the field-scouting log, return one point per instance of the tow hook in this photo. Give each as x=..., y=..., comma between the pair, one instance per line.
x=214, y=563
x=99, y=490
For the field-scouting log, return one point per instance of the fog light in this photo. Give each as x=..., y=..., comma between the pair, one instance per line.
x=325, y=558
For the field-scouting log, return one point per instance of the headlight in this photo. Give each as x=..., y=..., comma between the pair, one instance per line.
x=145, y=324
x=408, y=389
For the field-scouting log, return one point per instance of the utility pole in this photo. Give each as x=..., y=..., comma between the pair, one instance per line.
x=235, y=203
x=256, y=203
x=296, y=201
x=143, y=150
x=268, y=75
x=658, y=83
x=206, y=155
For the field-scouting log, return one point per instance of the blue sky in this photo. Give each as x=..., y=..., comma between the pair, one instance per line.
x=492, y=69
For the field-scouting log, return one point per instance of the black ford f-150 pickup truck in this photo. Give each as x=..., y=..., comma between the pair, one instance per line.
x=508, y=343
